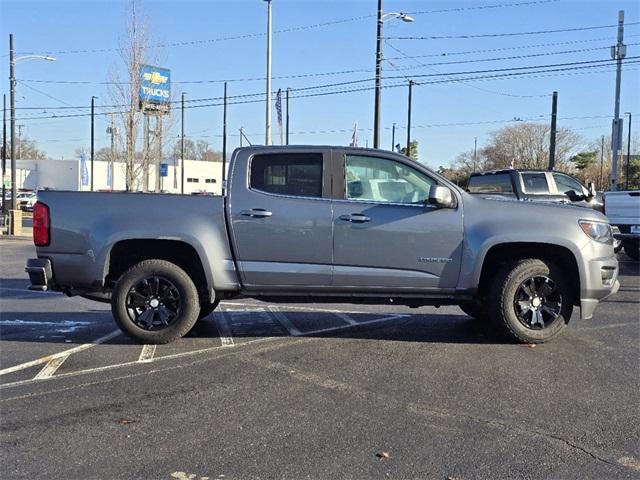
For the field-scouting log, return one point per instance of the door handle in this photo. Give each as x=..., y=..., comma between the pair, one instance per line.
x=256, y=213
x=355, y=218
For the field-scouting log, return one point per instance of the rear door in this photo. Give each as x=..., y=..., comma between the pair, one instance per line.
x=385, y=237
x=280, y=210
x=537, y=186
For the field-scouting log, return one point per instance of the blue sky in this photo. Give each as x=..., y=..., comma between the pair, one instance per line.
x=58, y=27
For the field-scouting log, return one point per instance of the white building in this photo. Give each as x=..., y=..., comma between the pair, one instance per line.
x=67, y=175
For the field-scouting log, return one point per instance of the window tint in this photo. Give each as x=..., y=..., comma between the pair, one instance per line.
x=535, y=183
x=492, y=183
x=296, y=174
x=566, y=183
x=384, y=181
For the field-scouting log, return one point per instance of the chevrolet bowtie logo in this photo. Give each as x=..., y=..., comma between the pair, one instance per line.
x=155, y=77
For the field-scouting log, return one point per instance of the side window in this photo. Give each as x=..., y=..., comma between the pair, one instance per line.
x=295, y=174
x=535, y=183
x=565, y=183
x=381, y=180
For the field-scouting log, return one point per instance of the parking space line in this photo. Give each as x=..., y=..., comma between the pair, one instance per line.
x=284, y=321
x=147, y=353
x=50, y=368
x=64, y=353
x=223, y=328
x=346, y=318
x=343, y=327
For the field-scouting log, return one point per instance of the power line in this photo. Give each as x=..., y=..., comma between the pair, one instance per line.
x=353, y=82
x=509, y=34
x=484, y=7
x=521, y=74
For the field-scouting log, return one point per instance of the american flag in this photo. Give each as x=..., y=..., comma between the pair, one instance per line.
x=279, y=106
x=354, y=137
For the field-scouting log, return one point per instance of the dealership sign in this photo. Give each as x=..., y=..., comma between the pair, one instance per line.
x=155, y=88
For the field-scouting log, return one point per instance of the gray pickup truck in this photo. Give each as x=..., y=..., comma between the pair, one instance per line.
x=324, y=224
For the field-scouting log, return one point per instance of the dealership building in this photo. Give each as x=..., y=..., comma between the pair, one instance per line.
x=199, y=176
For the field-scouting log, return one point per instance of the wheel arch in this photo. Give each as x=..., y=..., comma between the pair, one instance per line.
x=501, y=253
x=126, y=253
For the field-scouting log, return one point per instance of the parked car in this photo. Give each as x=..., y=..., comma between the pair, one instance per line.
x=536, y=185
x=25, y=200
x=324, y=224
x=623, y=211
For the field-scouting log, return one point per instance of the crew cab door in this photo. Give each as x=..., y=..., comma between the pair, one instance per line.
x=280, y=216
x=385, y=237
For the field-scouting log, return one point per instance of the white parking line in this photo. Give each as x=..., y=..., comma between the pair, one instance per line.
x=190, y=353
x=346, y=318
x=284, y=321
x=50, y=368
x=147, y=353
x=223, y=328
x=64, y=353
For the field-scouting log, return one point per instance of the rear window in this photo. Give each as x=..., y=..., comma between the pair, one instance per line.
x=535, y=183
x=498, y=183
x=295, y=174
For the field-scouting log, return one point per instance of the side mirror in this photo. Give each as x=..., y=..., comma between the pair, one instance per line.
x=441, y=197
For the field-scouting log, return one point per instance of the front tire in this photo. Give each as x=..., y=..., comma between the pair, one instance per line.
x=155, y=302
x=530, y=301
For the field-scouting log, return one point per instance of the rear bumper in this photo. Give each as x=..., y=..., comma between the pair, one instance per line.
x=40, y=274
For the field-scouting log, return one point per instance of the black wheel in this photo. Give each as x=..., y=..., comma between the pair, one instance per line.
x=474, y=309
x=632, y=248
x=207, y=309
x=155, y=301
x=530, y=301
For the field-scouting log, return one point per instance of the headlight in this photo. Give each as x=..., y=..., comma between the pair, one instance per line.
x=598, y=231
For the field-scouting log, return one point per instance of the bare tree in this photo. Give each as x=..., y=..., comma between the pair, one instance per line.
x=527, y=145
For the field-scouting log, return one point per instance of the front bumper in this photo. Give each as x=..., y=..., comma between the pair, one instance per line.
x=599, y=282
x=40, y=273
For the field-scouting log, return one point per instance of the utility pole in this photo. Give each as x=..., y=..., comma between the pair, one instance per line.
x=145, y=153
x=552, y=145
x=92, y=136
x=224, y=138
x=20, y=127
x=182, y=150
x=601, y=161
x=4, y=152
x=618, y=52
x=376, y=104
x=112, y=158
x=267, y=140
x=393, y=137
x=475, y=153
x=158, y=137
x=287, y=119
x=626, y=185
x=12, y=106
x=409, y=119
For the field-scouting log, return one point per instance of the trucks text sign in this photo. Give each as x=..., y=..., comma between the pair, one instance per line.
x=155, y=87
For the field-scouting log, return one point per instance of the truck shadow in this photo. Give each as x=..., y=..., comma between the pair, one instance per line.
x=75, y=328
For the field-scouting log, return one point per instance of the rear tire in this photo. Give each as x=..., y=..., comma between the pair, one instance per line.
x=530, y=301
x=475, y=310
x=155, y=302
x=632, y=248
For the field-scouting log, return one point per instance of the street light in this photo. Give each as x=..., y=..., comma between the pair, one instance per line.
x=12, y=88
x=376, y=109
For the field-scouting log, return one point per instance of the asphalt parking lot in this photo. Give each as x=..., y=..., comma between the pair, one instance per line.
x=323, y=391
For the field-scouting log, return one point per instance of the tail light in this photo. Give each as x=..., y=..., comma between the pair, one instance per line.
x=41, y=225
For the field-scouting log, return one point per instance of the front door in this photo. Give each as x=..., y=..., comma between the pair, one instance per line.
x=385, y=237
x=280, y=209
